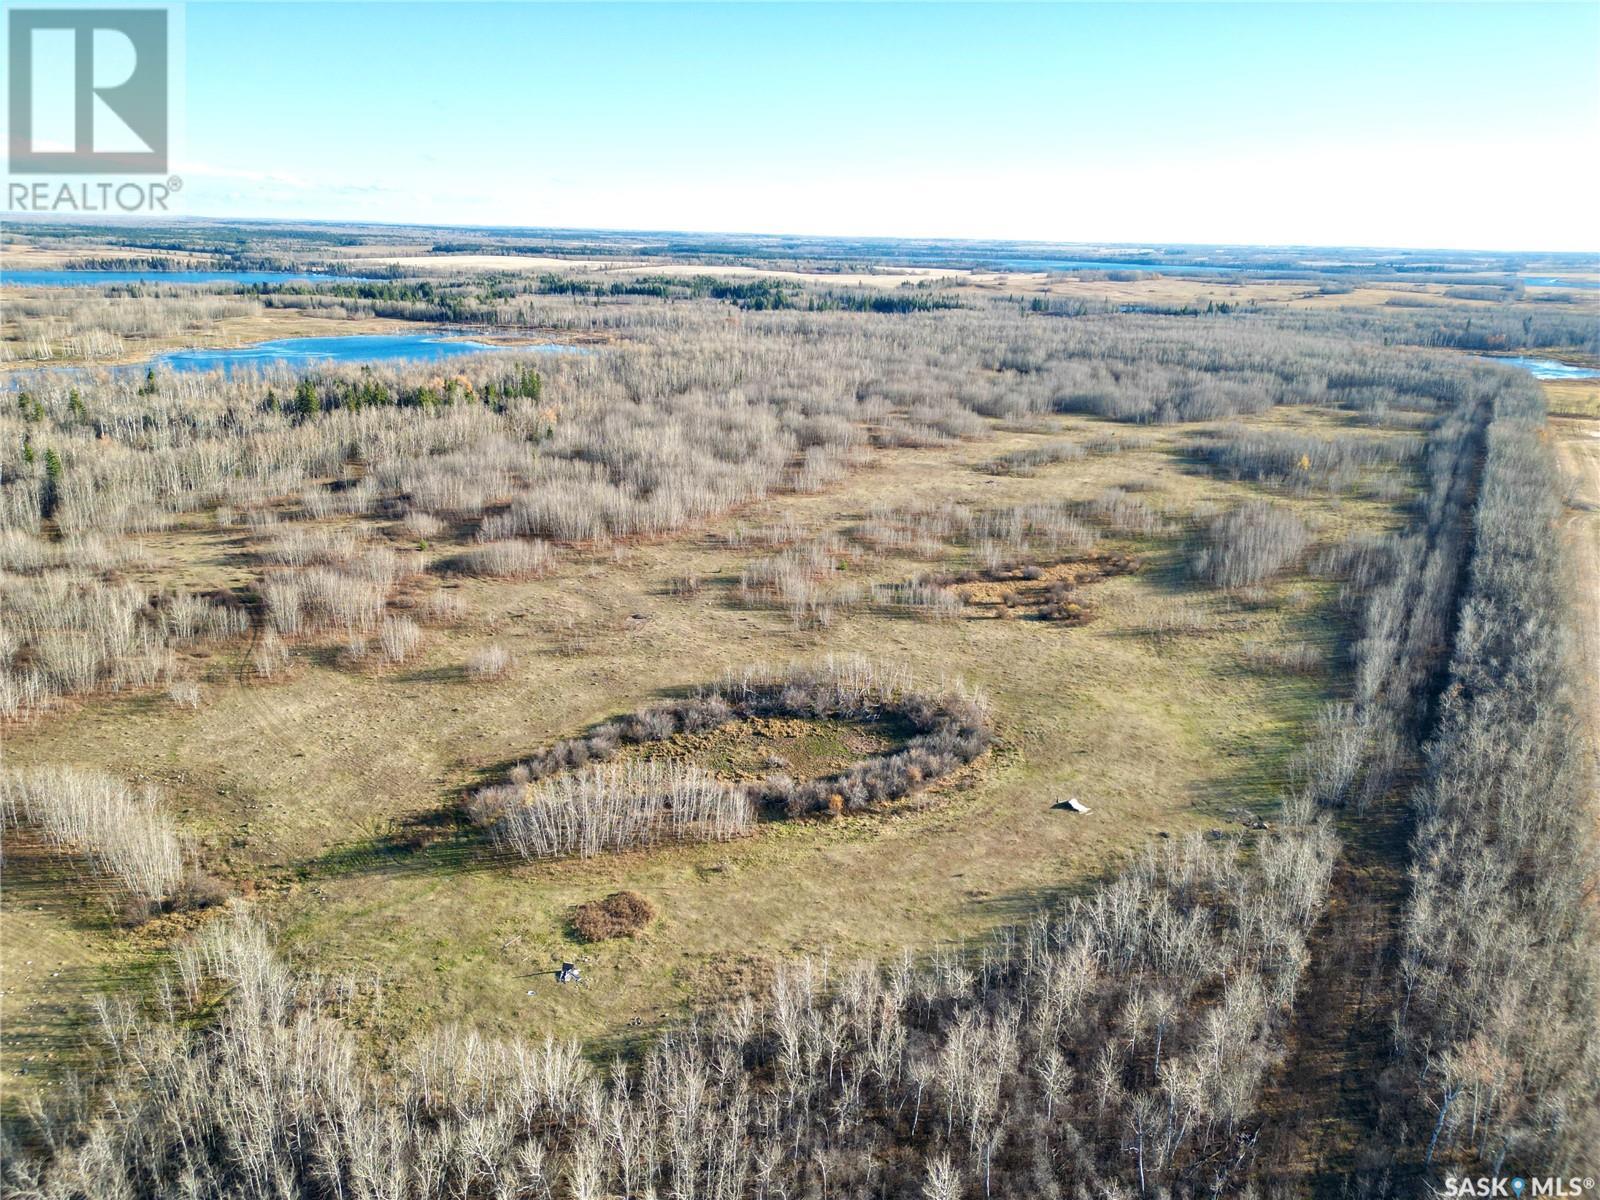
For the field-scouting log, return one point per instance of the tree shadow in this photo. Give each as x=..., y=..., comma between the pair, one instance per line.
x=58, y=883
x=54, y=1035
x=452, y=674
x=439, y=842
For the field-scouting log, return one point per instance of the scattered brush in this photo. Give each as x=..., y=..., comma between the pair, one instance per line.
x=1028, y=461
x=803, y=580
x=184, y=693
x=919, y=597
x=1293, y=658
x=419, y=526
x=1302, y=463
x=1016, y=531
x=67, y=634
x=442, y=608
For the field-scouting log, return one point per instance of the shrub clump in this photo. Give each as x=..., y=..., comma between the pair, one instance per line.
x=270, y=656
x=1250, y=544
x=399, y=638
x=123, y=832
x=1061, y=603
x=621, y=914
x=505, y=558
x=611, y=807
x=491, y=662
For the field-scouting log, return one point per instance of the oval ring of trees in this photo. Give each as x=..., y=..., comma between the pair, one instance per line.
x=571, y=799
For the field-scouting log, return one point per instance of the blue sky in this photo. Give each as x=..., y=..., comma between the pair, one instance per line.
x=1472, y=125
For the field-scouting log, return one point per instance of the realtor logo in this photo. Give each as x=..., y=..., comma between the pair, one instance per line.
x=88, y=91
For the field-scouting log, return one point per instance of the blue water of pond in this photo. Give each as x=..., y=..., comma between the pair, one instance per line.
x=1545, y=368
x=358, y=348
x=1554, y=281
x=300, y=353
x=31, y=278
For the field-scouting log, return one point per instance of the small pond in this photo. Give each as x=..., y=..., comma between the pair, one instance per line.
x=356, y=348
x=1543, y=368
x=1559, y=281
x=297, y=354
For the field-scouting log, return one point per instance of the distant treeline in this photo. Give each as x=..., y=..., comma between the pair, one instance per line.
x=221, y=260
x=468, y=303
x=754, y=293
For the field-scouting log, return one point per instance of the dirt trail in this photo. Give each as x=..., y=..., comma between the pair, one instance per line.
x=1321, y=1108
x=1577, y=445
x=1327, y=1130
x=1327, y=1100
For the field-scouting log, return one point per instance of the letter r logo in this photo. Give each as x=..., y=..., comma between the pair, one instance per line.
x=88, y=91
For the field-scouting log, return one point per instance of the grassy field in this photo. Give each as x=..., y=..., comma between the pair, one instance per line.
x=325, y=798
x=1573, y=397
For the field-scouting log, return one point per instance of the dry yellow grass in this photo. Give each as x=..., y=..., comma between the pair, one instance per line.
x=36, y=258
x=1573, y=397
x=1577, y=446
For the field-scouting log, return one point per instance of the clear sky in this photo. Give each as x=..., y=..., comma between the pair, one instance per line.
x=1439, y=125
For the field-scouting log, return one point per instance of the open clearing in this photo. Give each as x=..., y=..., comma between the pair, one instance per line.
x=1151, y=714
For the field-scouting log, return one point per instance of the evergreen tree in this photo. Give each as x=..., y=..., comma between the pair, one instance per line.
x=51, y=492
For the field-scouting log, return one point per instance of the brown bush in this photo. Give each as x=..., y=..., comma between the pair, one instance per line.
x=621, y=914
x=200, y=890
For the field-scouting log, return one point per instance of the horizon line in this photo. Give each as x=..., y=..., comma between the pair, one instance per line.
x=15, y=218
